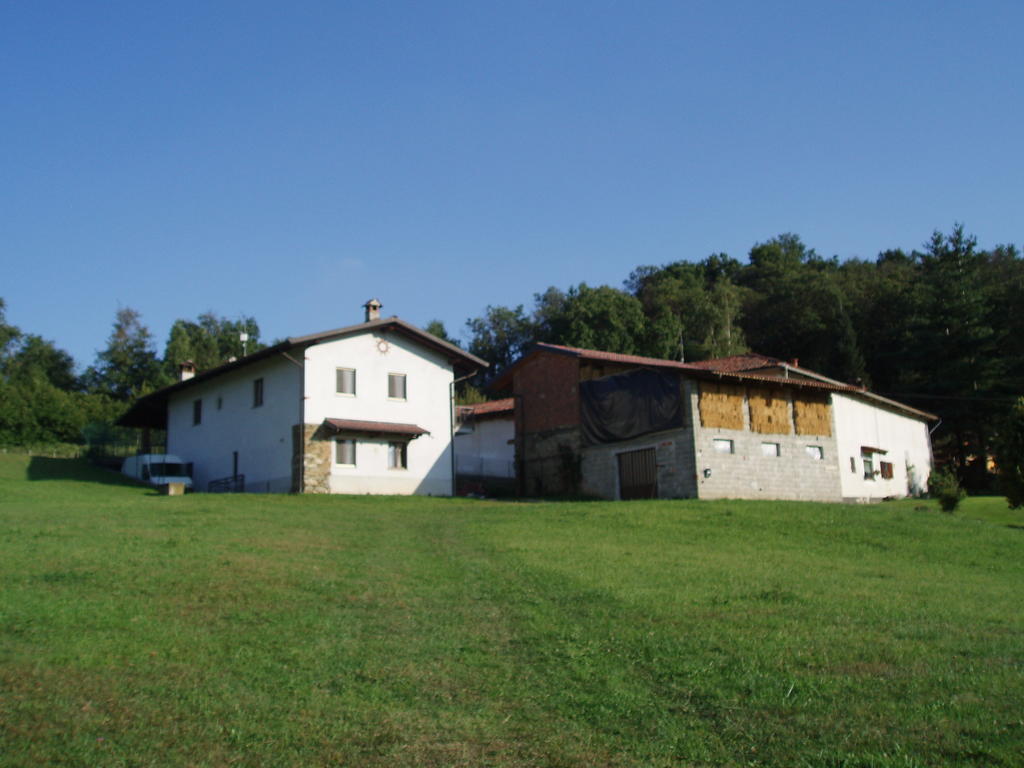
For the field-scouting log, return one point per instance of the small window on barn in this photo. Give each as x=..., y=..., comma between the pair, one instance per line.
x=345, y=381
x=396, y=386
x=723, y=445
x=257, y=393
x=770, y=449
x=816, y=452
x=869, y=467
x=197, y=412
x=853, y=465
x=220, y=402
x=885, y=468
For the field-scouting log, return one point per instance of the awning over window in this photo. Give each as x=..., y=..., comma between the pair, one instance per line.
x=374, y=427
x=868, y=449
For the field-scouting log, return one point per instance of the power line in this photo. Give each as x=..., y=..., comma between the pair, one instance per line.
x=920, y=396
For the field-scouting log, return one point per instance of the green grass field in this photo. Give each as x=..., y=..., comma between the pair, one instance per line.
x=142, y=630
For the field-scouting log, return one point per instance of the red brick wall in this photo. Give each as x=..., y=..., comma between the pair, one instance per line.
x=548, y=388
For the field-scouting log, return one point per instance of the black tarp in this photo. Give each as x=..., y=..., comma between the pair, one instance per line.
x=629, y=405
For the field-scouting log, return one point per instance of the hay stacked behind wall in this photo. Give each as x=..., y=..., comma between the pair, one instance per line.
x=721, y=405
x=813, y=414
x=769, y=411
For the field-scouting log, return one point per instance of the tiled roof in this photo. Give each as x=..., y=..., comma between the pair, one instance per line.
x=611, y=357
x=779, y=381
x=506, y=405
x=151, y=410
x=738, y=368
x=732, y=367
x=735, y=363
x=375, y=427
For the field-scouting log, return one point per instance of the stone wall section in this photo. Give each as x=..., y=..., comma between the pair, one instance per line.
x=312, y=452
x=550, y=463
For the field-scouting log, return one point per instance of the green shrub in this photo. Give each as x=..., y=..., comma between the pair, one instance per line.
x=944, y=486
x=1010, y=456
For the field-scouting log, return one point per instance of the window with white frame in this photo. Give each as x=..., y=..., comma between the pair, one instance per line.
x=398, y=457
x=345, y=381
x=770, y=449
x=722, y=445
x=345, y=452
x=396, y=386
x=816, y=452
x=257, y=393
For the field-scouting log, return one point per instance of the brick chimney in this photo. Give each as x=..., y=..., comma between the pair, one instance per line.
x=186, y=370
x=373, y=309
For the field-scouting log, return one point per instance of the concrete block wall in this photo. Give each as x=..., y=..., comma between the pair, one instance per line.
x=747, y=473
x=673, y=453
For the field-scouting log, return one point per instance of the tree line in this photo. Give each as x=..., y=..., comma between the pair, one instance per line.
x=939, y=328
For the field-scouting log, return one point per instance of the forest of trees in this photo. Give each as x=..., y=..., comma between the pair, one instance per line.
x=937, y=328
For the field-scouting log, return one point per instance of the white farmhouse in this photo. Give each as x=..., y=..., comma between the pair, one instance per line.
x=361, y=409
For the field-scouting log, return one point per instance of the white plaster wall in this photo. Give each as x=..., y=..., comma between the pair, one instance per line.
x=262, y=436
x=489, y=449
x=428, y=376
x=858, y=423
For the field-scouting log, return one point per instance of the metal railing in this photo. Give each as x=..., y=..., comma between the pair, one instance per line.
x=484, y=466
x=232, y=484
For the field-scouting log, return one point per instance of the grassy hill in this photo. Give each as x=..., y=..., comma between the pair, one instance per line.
x=141, y=630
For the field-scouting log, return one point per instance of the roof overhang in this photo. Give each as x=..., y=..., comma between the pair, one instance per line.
x=360, y=427
x=148, y=412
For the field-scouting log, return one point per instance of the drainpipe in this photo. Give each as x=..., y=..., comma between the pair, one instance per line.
x=518, y=417
x=451, y=420
x=302, y=418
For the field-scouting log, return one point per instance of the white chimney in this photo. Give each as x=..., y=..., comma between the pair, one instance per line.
x=186, y=370
x=373, y=309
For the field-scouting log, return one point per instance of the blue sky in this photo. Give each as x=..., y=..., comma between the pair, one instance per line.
x=291, y=160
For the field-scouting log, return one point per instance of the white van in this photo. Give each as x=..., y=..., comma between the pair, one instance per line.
x=157, y=469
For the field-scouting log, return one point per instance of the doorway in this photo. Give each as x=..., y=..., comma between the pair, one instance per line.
x=638, y=475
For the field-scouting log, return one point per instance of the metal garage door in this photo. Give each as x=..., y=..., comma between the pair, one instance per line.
x=638, y=475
